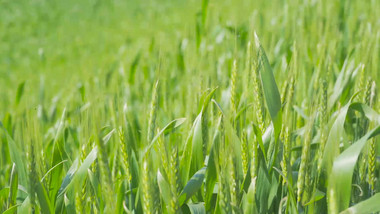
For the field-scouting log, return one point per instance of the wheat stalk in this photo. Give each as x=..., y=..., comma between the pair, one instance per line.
x=153, y=112
x=147, y=200
x=304, y=161
x=372, y=145
x=33, y=177
x=258, y=98
x=285, y=153
x=233, y=87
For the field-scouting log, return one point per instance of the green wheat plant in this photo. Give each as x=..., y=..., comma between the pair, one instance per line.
x=189, y=106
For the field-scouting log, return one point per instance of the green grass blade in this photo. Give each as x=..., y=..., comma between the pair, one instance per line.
x=366, y=111
x=20, y=92
x=340, y=180
x=336, y=133
x=259, y=138
x=69, y=205
x=13, y=187
x=235, y=144
x=194, y=208
x=43, y=199
x=120, y=198
x=75, y=175
x=271, y=93
x=25, y=206
x=51, y=169
x=197, y=149
x=368, y=206
x=168, y=128
x=16, y=157
x=204, y=11
x=341, y=83
x=192, y=186
x=164, y=188
x=187, y=155
x=12, y=209
x=133, y=68
x=58, y=155
x=4, y=193
x=249, y=198
x=56, y=175
x=211, y=172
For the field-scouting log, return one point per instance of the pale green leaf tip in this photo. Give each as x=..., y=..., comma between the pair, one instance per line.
x=257, y=41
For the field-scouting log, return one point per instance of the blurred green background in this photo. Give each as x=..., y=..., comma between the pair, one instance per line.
x=63, y=43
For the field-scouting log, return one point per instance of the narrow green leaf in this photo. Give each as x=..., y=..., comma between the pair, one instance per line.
x=25, y=206
x=16, y=157
x=205, y=100
x=291, y=201
x=12, y=209
x=69, y=176
x=120, y=198
x=58, y=154
x=164, y=188
x=43, y=199
x=75, y=176
x=204, y=11
x=318, y=195
x=13, y=187
x=194, y=208
x=96, y=186
x=20, y=92
x=271, y=93
x=259, y=138
x=51, y=169
x=336, y=135
x=368, y=206
x=69, y=205
x=170, y=126
x=82, y=170
x=108, y=136
x=273, y=190
x=192, y=186
x=197, y=146
x=340, y=180
x=186, y=157
x=263, y=189
x=4, y=193
x=342, y=82
x=235, y=148
x=211, y=173
x=249, y=198
x=367, y=111
x=133, y=68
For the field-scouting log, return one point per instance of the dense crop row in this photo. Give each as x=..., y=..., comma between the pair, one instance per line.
x=203, y=121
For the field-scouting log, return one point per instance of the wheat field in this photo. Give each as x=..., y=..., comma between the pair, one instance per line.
x=128, y=106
